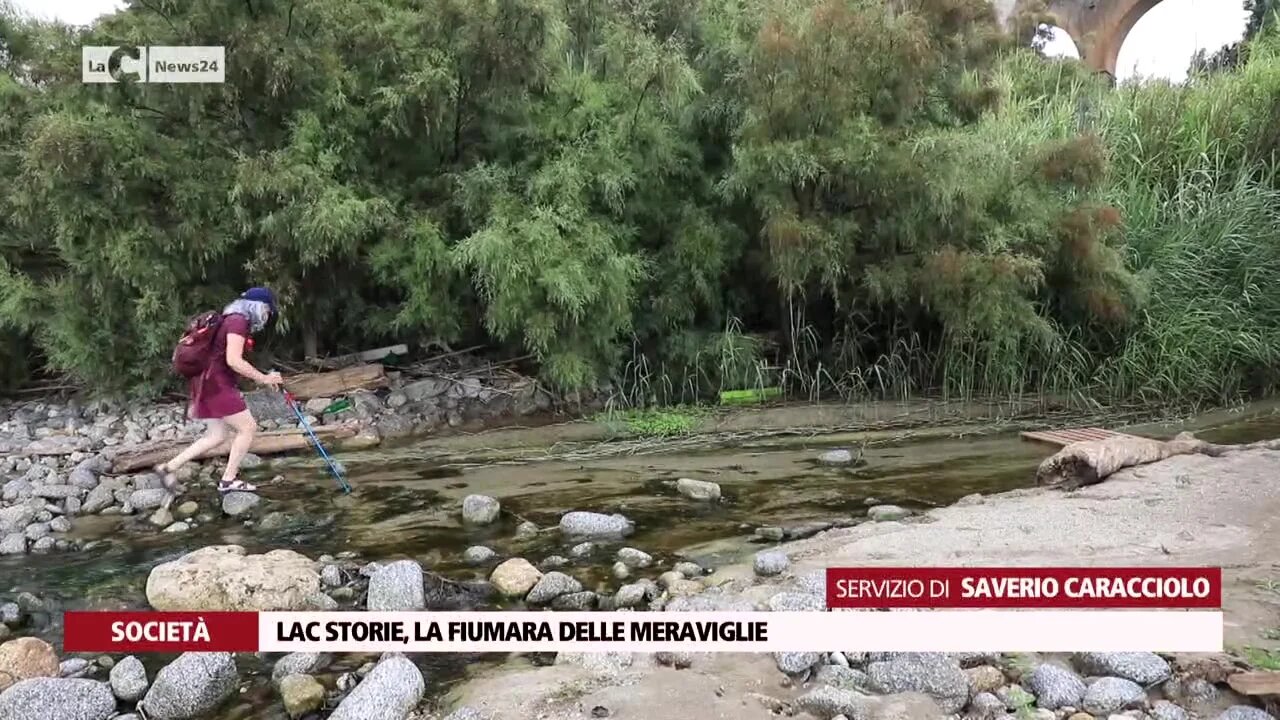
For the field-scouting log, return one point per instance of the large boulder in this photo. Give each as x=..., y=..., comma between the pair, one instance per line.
x=191, y=687
x=129, y=679
x=935, y=675
x=25, y=658
x=223, y=577
x=1055, y=687
x=57, y=699
x=389, y=692
x=1144, y=668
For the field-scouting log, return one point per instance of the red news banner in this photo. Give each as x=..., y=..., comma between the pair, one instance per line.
x=1041, y=588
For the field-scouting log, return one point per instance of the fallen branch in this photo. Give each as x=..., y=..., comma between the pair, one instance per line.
x=338, y=382
x=266, y=443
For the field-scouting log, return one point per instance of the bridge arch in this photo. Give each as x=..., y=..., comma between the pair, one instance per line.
x=1099, y=27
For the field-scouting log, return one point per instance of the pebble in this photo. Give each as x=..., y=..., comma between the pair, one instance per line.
x=129, y=679
x=73, y=667
x=690, y=570
x=582, y=550
x=397, y=587
x=161, y=517
x=1143, y=668
x=986, y=706
x=331, y=576
x=552, y=562
x=595, y=524
x=1245, y=712
x=237, y=503
x=299, y=663
x=515, y=577
x=700, y=490
x=1110, y=694
x=180, y=526
x=187, y=509
x=886, y=513
x=794, y=663
x=301, y=694
x=836, y=457
x=526, y=530
x=771, y=562
x=480, y=509
x=634, y=558
x=551, y=586
x=1055, y=686
x=148, y=499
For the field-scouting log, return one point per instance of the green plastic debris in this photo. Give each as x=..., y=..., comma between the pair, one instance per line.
x=746, y=397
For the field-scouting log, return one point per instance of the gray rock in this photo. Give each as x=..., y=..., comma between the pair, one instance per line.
x=148, y=498
x=708, y=602
x=57, y=699
x=161, y=517
x=13, y=544
x=390, y=692
x=180, y=526
x=14, y=519
x=44, y=545
x=796, y=602
x=397, y=586
x=526, y=530
x=700, y=490
x=1165, y=710
x=1055, y=686
x=631, y=595
x=191, y=686
x=60, y=525
x=937, y=676
x=468, y=713
x=57, y=492
x=299, y=663
x=1144, y=668
x=584, y=600
x=551, y=586
x=73, y=667
x=10, y=613
x=582, y=550
x=592, y=524
x=273, y=521
x=330, y=576
x=843, y=678
x=237, y=503
x=35, y=531
x=634, y=558
x=985, y=706
x=1190, y=690
x=129, y=679
x=794, y=663
x=552, y=562
x=689, y=569
x=99, y=498
x=1014, y=697
x=884, y=513
x=1245, y=712
x=770, y=532
x=478, y=555
x=621, y=571
x=771, y=562
x=480, y=509
x=836, y=457
x=826, y=702
x=1112, y=694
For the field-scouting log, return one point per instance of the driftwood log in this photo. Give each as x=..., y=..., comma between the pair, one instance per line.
x=330, y=384
x=1092, y=461
x=264, y=443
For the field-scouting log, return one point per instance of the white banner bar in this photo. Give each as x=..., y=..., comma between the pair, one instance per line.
x=937, y=631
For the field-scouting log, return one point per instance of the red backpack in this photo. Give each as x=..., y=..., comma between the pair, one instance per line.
x=191, y=356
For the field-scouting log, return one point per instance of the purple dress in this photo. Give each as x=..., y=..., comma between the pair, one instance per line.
x=216, y=393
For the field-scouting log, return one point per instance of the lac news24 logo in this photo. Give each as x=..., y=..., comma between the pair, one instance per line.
x=154, y=64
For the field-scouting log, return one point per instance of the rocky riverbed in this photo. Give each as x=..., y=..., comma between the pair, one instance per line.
x=601, y=554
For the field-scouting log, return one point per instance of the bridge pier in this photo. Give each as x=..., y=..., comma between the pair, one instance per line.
x=1098, y=27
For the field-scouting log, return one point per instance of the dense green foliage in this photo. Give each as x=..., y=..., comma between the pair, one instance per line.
x=838, y=196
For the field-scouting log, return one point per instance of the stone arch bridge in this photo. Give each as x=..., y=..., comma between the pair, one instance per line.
x=1098, y=27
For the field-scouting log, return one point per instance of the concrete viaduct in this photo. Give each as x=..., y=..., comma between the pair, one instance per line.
x=1098, y=27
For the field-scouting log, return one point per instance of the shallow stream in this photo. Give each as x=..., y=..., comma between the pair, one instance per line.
x=405, y=506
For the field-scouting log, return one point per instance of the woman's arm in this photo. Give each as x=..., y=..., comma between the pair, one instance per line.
x=236, y=361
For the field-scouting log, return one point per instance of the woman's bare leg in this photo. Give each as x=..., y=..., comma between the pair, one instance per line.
x=245, y=427
x=214, y=435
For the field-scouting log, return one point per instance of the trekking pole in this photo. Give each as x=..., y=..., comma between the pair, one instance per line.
x=302, y=420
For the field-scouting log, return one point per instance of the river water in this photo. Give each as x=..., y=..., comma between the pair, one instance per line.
x=406, y=505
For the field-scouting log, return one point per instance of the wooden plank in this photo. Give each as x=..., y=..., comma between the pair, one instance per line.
x=338, y=382
x=264, y=443
x=1067, y=436
x=1260, y=682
